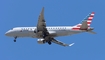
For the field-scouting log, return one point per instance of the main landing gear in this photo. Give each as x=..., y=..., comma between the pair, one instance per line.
x=49, y=42
x=15, y=39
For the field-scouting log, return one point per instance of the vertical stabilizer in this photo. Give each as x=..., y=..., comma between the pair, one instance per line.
x=85, y=23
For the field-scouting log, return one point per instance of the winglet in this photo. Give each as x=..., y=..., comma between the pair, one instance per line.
x=41, y=16
x=71, y=44
x=42, y=12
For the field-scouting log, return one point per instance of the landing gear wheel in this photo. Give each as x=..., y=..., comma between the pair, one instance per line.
x=34, y=31
x=14, y=40
x=44, y=41
x=49, y=43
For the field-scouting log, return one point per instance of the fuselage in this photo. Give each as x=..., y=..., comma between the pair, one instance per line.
x=54, y=31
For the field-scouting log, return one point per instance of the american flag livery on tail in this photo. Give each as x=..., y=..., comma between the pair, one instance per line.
x=85, y=25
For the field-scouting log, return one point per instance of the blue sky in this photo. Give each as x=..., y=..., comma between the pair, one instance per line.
x=14, y=13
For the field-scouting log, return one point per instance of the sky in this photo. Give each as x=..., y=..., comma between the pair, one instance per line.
x=24, y=13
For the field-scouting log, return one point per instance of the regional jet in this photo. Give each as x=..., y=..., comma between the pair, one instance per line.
x=47, y=34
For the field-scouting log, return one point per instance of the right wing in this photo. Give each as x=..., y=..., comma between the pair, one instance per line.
x=41, y=26
x=61, y=43
x=42, y=30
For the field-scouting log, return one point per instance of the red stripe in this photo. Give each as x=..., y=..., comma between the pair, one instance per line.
x=84, y=29
x=75, y=28
x=89, y=19
x=91, y=15
x=88, y=22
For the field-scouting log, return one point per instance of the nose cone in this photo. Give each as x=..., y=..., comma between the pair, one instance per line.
x=8, y=33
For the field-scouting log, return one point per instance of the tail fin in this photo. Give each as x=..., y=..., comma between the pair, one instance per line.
x=85, y=23
x=89, y=18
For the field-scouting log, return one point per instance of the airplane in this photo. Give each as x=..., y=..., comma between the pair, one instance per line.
x=47, y=34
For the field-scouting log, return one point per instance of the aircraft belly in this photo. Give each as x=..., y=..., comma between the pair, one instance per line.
x=22, y=34
x=74, y=32
x=62, y=33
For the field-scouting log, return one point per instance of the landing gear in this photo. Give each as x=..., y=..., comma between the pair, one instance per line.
x=44, y=41
x=47, y=38
x=44, y=35
x=49, y=42
x=34, y=31
x=15, y=39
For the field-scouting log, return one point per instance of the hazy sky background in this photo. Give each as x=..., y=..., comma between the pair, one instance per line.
x=14, y=13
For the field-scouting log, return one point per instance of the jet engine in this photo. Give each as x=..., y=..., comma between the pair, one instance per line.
x=41, y=41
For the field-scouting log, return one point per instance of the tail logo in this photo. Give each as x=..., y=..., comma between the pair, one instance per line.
x=88, y=20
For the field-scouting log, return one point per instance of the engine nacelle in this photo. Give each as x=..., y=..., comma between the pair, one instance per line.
x=41, y=41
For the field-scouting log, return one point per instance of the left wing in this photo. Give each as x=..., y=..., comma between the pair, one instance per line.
x=61, y=43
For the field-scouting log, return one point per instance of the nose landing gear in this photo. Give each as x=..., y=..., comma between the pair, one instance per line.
x=15, y=39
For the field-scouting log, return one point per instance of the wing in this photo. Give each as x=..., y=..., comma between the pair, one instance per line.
x=41, y=26
x=61, y=43
x=42, y=30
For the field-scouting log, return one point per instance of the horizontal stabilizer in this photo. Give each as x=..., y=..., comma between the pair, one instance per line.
x=92, y=32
